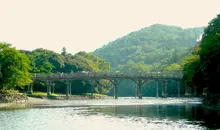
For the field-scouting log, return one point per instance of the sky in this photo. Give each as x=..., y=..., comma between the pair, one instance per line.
x=85, y=25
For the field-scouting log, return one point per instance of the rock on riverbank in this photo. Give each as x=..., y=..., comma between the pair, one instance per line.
x=13, y=98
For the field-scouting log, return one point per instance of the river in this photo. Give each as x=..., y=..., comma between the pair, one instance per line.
x=111, y=114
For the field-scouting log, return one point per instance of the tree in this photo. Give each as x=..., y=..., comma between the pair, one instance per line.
x=14, y=68
x=63, y=51
x=173, y=68
x=202, y=67
x=175, y=56
x=210, y=55
x=191, y=68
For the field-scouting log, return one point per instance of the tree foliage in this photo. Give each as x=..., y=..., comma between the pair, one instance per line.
x=152, y=48
x=191, y=68
x=14, y=67
x=210, y=55
x=47, y=61
x=63, y=51
x=202, y=68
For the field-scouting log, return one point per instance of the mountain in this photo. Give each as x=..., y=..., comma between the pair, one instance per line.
x=152, y=48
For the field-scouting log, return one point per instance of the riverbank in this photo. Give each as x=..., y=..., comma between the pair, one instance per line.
x=10, y=98
x=77, y=101
x=44, y=100
x=30, y=100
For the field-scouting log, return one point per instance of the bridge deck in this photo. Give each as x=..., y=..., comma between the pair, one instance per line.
x=98, y=76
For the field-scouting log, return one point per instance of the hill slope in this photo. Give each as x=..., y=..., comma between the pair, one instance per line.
x=151, y=48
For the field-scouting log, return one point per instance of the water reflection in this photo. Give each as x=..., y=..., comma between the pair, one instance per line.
x=194, y=114
x=123, y=114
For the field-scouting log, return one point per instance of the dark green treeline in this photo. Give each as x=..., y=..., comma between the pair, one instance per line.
x=202, y=67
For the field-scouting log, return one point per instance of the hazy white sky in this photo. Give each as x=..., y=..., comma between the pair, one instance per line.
x=84, y=25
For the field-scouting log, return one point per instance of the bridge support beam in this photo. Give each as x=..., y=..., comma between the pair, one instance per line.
x=115, y=91
x=92, y=86
x=178, y=87
x=115, y=83
x=68, y=88
x=157, y=91
x=48, y=88
x=187, y=91
x=135, y=89
x=164, y=82
x=30, y=88
x=52, y=84
x=140, y=83
x=140, y=96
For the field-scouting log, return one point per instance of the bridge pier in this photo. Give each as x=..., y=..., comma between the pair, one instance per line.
x=187, y=92
x=115, y=83
x=140, y=83
x=116, y=91
x=52, y=84
x=164, y=89
x=178, y=87
x=135, y=88
x=157, y=92
x=92, y=85
x=30, y=88
x=48, y=88
x=140, y=96
x=68, y=88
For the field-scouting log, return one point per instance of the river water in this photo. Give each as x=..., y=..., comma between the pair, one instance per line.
x=110, y=114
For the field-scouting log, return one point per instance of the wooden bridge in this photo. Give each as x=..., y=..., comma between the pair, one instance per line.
x=139, y=80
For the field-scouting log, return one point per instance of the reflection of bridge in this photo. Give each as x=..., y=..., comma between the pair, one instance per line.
x=115, y=78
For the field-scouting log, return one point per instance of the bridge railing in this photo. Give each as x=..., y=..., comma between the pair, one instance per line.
x=110, y=74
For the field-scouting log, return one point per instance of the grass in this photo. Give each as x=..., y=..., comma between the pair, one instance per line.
x=44, y=94
x=89, y=94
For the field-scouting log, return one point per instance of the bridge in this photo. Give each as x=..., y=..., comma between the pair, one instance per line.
x=139, y=79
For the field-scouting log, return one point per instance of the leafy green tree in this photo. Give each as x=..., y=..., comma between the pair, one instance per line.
x=210, y=55
x=175, y=56
x=14, y=68
x=202, y=67
x=191, y=68
x=173, y=68
x=63, y=51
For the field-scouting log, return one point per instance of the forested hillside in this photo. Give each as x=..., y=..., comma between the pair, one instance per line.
x=154, y=48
